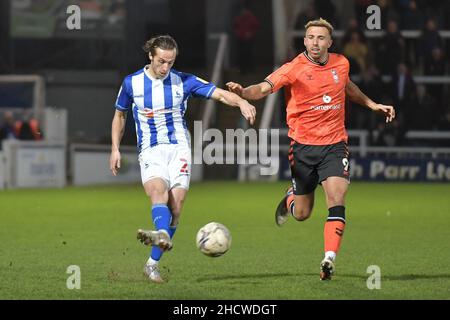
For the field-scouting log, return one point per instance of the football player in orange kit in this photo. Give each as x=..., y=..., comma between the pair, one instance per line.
x=316, y=84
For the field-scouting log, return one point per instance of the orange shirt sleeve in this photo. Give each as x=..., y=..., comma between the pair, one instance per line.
x=281, y=77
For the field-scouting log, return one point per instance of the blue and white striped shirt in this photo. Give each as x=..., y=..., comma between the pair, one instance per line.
x=159, y=105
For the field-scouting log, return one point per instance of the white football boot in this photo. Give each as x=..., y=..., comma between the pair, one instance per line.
x=152, y=272
x=158, y=238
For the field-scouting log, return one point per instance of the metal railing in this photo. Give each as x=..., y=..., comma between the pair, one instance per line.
x=417, y=79
x=219, y=61
x=407, y=34
x=216, y=75
x=364, y=148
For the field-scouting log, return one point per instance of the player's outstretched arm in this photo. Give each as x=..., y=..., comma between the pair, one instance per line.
x=356, y=95
x=233, y=100
x=117, y=130
x=253, y=92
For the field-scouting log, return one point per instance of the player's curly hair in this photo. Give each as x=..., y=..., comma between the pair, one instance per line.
x=163, y=41
x=320, y=23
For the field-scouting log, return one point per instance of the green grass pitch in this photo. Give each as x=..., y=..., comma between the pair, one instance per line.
x=401, y=228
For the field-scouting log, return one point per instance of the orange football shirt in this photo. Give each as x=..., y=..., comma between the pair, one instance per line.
x=315, y=98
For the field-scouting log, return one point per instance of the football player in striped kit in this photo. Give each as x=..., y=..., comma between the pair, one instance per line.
x=157, y=96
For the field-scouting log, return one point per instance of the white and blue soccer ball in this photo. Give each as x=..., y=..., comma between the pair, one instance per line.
x=213, y=239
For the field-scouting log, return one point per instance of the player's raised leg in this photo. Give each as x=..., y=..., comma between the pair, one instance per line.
x=335, y=189
x=299, y=206
x=299, y=199
x=283, y=208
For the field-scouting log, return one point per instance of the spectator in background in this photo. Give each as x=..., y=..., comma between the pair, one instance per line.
x=434, y=9
x=372, y=83
x=392, y=49
x=357, y=50
x=401, y=5
x=429, y=40
x=354, y=26
x=412, y=18
x=25, y=132
x=302, y=19
x=446, y=13
x=403, y=91
x=360, y=9
x=444, y=122
x=7, y=129
x=28, y=128
x=436, y=66
x=246, y=25
x=327, y=11
x=421, y=115
x=374, y=87
x=117, y=11
x=388, y=13
x=389, y=136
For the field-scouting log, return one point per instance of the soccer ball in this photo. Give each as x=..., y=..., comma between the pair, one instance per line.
x=213, y=239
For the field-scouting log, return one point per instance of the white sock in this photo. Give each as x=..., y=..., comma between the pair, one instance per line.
x=152, y=262
x=330, y=255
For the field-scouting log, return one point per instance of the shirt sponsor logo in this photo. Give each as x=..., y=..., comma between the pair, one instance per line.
x=326, y=107
x=149, y=113
x=326, y=98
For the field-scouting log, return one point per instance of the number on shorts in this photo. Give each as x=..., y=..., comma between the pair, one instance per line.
x=345, y=163
x=184, y=167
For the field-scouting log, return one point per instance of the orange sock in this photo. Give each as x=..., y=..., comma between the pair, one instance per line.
x=334, y=229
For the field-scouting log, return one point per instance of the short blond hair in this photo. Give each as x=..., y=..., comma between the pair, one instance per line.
x=320, y=23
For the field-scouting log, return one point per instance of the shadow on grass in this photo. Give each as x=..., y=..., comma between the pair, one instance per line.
x=248, y=276
x=400, y=277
